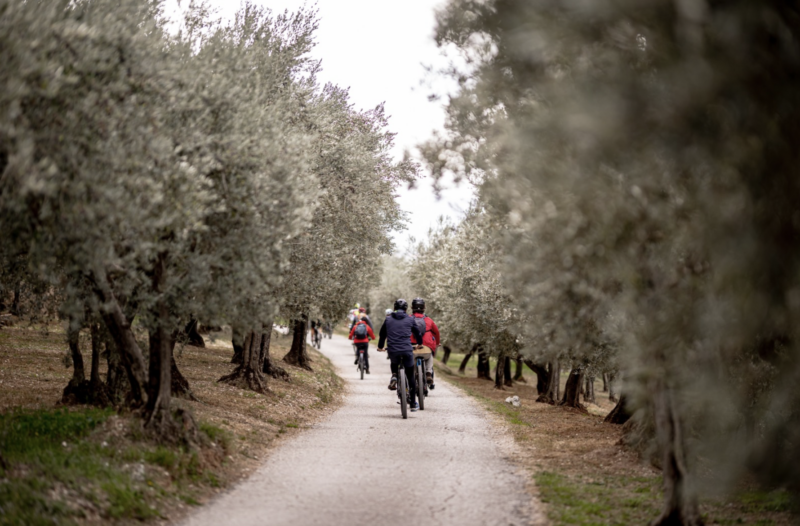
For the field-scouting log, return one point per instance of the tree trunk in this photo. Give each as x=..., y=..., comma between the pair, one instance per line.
x=463, y=367
x=484, y=367
x=78, y=390
x=158, y=417
x=507, y=373
x=680, y=506
x=78, y=371
x=445, y=354
x=620, y=414
x=193, y=336
x=542, y=375
x=15, y=307
x=180, y=385
x=117, y=385
x=588, y=390
x=572, y=391
x=605, y=382
x=248, y=374
x=120, y=329
x=612, y=384
x=547, y=380
x=268, y=367
x=500, y=373
x=98, y=390
x=237, y=336
x=298, y=355
x=518, y=376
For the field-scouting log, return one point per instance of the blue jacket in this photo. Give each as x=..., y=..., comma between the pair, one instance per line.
x=397, y=329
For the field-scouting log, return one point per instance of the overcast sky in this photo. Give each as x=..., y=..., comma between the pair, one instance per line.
x=379, y=50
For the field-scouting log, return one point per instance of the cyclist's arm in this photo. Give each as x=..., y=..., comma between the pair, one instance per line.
x=370, y=333
x=382, y=340
x=435, y=331
x=352, y=330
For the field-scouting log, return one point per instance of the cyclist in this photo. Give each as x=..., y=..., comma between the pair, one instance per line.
x=353, y=314
x=430, y=335
x=397, y=330
x=362, y=315
x=316, y=326
x=361, y=334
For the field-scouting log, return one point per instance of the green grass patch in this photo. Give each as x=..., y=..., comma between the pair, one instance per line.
x=611, y=500
x=53, y=462
x=767, y=501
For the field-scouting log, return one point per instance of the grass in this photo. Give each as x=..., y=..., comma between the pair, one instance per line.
x=610, y=500
x=59, y=468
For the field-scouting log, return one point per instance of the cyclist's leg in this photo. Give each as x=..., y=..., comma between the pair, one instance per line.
x=429, y=364
x=366, y=355
x=393, y=364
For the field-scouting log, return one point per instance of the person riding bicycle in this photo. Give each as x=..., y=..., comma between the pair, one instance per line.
x=361, y=334
x=396, y=331
x=316, y=327
x=430, y=335
x=353, y=314
x=362, y=315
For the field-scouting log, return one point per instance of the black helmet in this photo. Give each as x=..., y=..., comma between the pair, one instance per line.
x=400, y=304
x=418, y=305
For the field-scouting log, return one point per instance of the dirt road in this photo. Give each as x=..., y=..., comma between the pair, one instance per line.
x=366, y=465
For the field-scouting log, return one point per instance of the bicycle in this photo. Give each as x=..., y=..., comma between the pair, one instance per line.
x=361, y=365
x=316, y=338
x=402, y=391
x=419, y=373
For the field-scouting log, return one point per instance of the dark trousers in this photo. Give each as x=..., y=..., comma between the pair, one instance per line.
x=364, y=346
x=406, y=360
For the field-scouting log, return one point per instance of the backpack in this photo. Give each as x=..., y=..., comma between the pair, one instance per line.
x=361, y=330
x=421, y=325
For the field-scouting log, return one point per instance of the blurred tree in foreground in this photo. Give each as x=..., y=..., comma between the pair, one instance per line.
x=636, y=163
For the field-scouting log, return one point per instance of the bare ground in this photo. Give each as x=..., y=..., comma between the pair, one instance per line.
x=34, y=370
x=582, y=472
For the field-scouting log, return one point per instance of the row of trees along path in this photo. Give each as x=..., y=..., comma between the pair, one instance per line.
x=636, y=216
x=173, y=177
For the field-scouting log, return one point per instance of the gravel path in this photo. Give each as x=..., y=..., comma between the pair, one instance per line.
x=366, y=465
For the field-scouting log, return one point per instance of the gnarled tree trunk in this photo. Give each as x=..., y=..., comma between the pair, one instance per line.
x=500, y=372
x=268, y=367
x=612, y=387
x=237, y=340
x=588, y=390
x=547, y=381
x=507, y=381
x=605, y=382
x=445, y=354
x=463, y=367
x=247, y=375
x=572, y=391
x=298, y=355
x=680, y=506
x=78, y=389
x=518, y=376
x=120, y=328
x=193, y=336
x=620, y=414
x=484, y=367
x=158, y=417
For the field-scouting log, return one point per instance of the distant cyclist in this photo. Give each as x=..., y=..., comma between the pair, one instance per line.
x=362, y=315
x=430, y=335
x=361, y=334
x=397, y=330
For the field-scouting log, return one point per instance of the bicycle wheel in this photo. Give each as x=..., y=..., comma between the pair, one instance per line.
x=420, y=373
x=402, y=391
x=361, y=364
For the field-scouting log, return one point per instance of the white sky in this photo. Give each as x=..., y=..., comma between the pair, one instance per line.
x=378, y=49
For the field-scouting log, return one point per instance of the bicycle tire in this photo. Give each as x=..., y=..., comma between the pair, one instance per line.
x=361, y=364
x=420, y=372
x=402, y=391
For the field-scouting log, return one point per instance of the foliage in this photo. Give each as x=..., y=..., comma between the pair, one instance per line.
x=634, y=164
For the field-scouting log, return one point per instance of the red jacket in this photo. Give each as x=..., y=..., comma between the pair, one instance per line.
x=370, y=334
x=431, y=338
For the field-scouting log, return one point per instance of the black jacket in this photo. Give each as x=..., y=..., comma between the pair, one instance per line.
x=397, y=329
